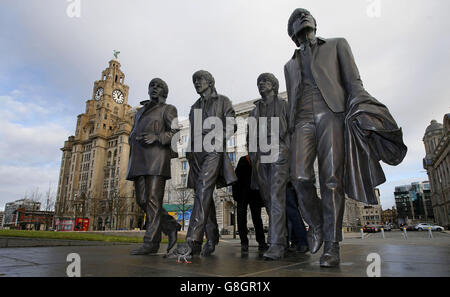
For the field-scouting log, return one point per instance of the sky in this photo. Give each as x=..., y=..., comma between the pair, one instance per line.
x=50, y=57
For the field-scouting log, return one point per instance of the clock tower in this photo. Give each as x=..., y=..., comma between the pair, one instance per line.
x=92, y=183
x=111, y=87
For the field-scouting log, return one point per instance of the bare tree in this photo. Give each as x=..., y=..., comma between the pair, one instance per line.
x=183, y=200
x=95, y=209
x=35, y=198
x=49, y=199
x=120, y=207
x=49, y=204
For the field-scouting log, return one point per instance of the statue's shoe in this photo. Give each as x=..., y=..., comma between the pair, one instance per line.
x=195, y=246
x=172, y=238
x=330, y=256
x=145, y=250
x=208, y=249
x=275, y=252
x=315, y=239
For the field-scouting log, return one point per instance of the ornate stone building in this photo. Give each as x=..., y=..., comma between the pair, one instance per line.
x=437, y=164
x=94, y=162
x=389, y=216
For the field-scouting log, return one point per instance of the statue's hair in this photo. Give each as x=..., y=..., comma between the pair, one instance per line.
x=294, y=16
x=206, y=75
x=270, y=77
x=164, y=85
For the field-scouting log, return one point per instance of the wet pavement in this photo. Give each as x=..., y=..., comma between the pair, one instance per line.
x=416, y=256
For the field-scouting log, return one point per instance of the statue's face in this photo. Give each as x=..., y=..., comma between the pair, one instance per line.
x=201, y=85
x=304, y=23
x=264, y=86
x=156, y=90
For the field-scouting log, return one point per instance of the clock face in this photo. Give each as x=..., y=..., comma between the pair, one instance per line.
x=99, y=94
x=118, y=96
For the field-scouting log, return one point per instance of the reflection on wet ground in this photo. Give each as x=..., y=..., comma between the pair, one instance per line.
x=416, y=256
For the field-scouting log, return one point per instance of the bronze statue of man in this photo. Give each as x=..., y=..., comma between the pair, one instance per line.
x=208, y=168
x=271, y=176
x=320, y=78
x=332, y=117
x=149, y=165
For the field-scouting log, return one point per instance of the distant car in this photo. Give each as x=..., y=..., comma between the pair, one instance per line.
x=386, y=227
x=426, y=226
x=372, y=228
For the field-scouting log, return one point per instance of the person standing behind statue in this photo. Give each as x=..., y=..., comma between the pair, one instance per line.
x=296, y=227
x=271, y=177
x=245, y=197
x=149, y=165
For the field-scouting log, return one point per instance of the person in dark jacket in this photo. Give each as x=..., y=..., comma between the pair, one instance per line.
x=245, y=197
x=149, y=165
x=295, y=226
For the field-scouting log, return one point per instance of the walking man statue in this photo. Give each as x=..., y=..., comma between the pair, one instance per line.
x=149, y=165
x=208, y=167
x=333, y=118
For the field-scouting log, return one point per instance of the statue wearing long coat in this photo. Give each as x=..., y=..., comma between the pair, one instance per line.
x=154, y=159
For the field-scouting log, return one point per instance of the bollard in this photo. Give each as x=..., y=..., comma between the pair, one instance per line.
x=430, y=234
x=382, y=232
x=404, y=233
x=343, y=237
x=362, y=233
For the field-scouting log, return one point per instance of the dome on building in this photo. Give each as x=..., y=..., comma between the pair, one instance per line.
x=434, y=125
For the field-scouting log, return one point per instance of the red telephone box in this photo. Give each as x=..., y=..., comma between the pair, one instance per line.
x=81, y=224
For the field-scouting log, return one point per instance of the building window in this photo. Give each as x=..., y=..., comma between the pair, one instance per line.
x=231, y=141
x=232, y=157
x=184, y=165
